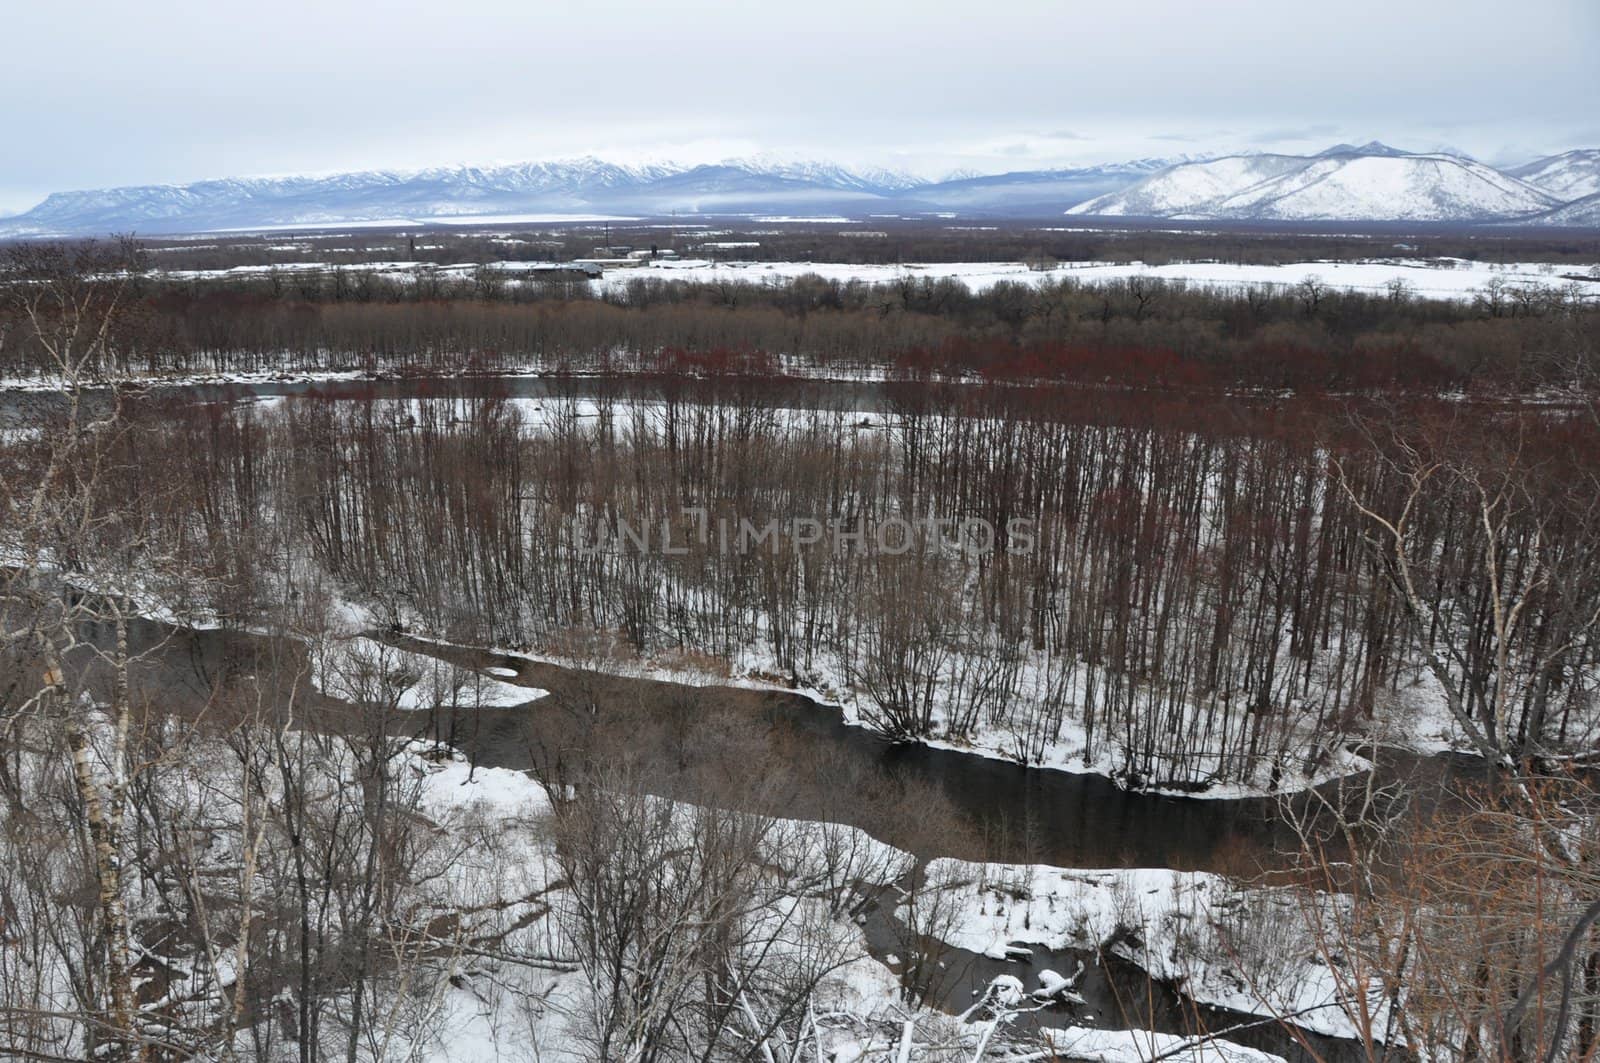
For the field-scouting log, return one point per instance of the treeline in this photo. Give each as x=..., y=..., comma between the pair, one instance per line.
x=1138, y=331
x=1206, y=595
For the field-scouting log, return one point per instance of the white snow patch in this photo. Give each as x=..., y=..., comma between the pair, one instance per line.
x=1141, y=1046
x=1248, y=949
x=364, y=670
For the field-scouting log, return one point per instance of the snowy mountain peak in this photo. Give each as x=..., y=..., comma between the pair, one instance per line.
x=1355, y=185
x=828, y=174
x=1570, y=175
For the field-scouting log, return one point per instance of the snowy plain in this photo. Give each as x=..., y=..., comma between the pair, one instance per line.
x=1451, y=279
x=1431, y=279
x=1445, y=279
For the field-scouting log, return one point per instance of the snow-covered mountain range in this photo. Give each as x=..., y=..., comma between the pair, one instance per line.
x=1570, y=175
x=1372, y=182
x=1579, y=214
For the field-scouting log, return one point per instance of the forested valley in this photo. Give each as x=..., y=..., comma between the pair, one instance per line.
x=1333, y=553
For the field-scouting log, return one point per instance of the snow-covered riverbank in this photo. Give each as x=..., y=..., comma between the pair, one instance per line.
x=1248, y=949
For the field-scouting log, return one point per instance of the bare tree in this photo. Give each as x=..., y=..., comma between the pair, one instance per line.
x=1526, y=550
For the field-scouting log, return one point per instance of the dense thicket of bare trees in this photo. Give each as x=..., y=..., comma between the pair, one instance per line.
x=1216, y=590
x=1140, y=332
x=903, y=240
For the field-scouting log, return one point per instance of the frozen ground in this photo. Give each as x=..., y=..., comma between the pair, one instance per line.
x=1250, y=950
x=1140, y=1046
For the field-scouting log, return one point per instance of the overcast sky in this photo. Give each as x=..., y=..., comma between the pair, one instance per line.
x=100, y=94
